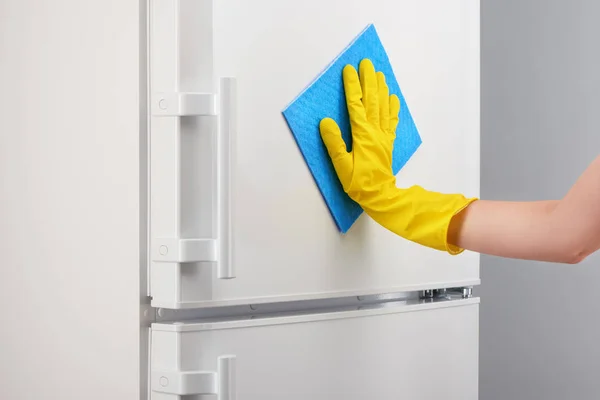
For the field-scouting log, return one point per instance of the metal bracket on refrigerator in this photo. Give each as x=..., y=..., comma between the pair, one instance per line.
x=462, y=292
x=466, y=292
x=183, y=383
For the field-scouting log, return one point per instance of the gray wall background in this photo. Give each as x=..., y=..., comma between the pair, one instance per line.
x=540, y=322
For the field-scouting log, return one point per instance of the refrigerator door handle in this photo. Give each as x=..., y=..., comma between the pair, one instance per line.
x=191, y=176
x=219, y=249
x=226, y=167
x=221, y=383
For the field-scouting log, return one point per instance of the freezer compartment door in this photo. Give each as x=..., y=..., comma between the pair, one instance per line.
x=425, y=351
x=235, y=214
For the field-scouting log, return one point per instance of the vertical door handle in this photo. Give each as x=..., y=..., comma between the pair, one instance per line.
x=165, y=249
x=225, y=185
x=227, y=382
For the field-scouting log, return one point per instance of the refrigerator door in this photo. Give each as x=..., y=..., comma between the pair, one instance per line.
x=405, y=350
x=235, y=215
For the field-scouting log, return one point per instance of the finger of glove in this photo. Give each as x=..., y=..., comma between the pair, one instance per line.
x=336, y=147
x=384, y=102
x=353, y=91
x=394, y=114
x=368, y=81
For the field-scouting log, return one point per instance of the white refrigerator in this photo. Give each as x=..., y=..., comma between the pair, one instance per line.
x=248, y=290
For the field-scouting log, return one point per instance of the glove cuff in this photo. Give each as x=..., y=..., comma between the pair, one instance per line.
x=418, y=215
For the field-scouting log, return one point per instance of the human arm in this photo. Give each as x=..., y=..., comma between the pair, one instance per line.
x=565, y=231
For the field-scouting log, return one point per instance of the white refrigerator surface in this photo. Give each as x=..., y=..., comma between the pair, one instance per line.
x=284, y=243
x=397, y=350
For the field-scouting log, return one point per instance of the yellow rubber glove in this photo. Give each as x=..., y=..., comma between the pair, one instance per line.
x=366, y=172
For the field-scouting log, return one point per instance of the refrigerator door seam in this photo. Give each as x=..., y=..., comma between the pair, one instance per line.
x=218, y=318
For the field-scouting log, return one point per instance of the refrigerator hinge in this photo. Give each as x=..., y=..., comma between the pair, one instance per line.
x=465, y=292
x=184, y=383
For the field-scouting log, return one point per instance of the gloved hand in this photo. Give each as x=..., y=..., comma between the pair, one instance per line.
x=366, y=172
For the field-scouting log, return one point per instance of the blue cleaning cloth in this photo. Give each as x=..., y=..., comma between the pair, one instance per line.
x=325, y=97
